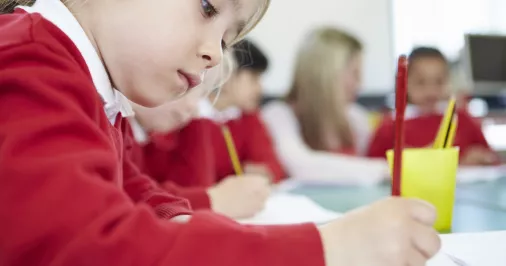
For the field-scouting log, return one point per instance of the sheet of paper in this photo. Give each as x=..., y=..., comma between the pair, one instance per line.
x=286, y=208
x=476, y=249
x=470, y=174
x=465, y=175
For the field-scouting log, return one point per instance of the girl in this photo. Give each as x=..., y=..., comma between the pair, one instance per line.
x=236, y=108
x=62, y=200
x=318, y=128
x=183, y=161
x=428, y=89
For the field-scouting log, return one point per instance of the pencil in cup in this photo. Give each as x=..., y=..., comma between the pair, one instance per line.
x=452, y=132
x=442, y=137
x=232, y=151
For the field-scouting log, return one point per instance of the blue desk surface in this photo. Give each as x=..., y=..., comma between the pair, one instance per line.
x=478, y=207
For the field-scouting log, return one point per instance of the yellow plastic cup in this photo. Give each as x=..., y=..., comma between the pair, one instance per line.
x=430, y=175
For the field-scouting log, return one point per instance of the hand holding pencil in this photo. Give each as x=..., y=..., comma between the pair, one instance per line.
x=242, y=195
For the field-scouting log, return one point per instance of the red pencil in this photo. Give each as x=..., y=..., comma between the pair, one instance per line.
x=400, y=108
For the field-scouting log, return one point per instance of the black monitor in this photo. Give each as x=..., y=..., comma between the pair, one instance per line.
x=486, y=63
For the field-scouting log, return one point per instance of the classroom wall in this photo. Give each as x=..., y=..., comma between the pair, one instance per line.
x=497, y=14
x=286, y=22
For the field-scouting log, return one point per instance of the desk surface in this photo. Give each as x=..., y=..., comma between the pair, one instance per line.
x=478, y=207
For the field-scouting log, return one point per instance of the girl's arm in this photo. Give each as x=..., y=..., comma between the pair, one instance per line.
x=304, y=163
x=61, y=196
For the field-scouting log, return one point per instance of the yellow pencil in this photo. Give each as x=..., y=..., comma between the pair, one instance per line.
x=445, y=125
x=452, y=132
x=232, y=150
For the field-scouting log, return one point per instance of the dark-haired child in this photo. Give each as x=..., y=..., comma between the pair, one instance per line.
x=428, y=89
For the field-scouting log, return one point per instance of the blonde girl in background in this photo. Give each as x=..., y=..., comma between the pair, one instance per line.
x=319, y=131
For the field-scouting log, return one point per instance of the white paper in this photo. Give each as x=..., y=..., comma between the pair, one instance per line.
x=476, y=249
x=291, y=209
x=470, y=174
x=465, y=175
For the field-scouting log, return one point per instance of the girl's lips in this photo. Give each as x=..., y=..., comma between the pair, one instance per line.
x=190, y=80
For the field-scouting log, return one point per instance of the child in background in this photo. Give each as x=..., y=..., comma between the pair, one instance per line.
x=62, y=199
x=236, y=105
x=170, y=153
x=318, y=130
x=196, y=157
x=428, y=93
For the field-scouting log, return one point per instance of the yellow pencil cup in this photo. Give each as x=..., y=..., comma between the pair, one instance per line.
x=430, y=175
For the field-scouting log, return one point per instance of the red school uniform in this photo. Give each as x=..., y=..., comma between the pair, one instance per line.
x=421, y=132
x=252, y=142
x=197, y=156
x=196, y=195
x=61, y=176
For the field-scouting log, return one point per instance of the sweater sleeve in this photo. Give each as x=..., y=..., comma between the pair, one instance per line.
x=473, y=135
x=198, y=197
x=259, y=146
x=60, y=200
x=304, y=163
x=141, y=188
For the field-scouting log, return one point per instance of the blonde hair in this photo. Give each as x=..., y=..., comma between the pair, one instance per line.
x=252, y=21
x=7, y=6
x=218, y=75
x=319, y=102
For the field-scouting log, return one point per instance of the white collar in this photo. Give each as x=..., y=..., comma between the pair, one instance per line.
x=207, y=110
x=140, y=135
x=58, y=14
x=412, y=111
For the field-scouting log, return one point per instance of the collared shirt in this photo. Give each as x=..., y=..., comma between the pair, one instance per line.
x=207, y=110
x=58, y=14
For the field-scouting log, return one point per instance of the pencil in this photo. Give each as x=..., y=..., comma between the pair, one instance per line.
x=400, y=108
x=232, y=151
x=445, y=126
x=451, y=133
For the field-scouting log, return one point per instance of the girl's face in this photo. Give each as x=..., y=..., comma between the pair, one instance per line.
x=351, y=78
x=427, y=83
x=157, y=50
x=244, y=90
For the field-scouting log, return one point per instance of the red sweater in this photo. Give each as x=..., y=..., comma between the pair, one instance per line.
x=196, y=157
x=253, y=143
x=61, y=196
x=197, y=196
x=421, y=132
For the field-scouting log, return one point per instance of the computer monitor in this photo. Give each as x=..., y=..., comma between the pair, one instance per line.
x=485, y=63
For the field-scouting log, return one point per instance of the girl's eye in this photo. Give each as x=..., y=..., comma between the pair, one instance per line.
x=223, y=45
x=208, y=9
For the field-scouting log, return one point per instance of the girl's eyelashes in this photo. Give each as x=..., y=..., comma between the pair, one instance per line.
x=223, y=45
x=208, y=9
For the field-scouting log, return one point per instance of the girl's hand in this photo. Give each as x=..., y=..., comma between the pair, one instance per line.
x=478, y=155
x=240, y=196
x=392, y=232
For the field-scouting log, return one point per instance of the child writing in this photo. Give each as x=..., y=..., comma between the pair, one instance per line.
x=318, y=129
x=196, y=157
x=237, y=107
x=178, y=158
x=62, y=197
x=428, y=89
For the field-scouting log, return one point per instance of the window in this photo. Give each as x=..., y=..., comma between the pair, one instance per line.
x=440, y=23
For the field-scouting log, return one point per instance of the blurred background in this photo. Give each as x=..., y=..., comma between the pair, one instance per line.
x=471, y=33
